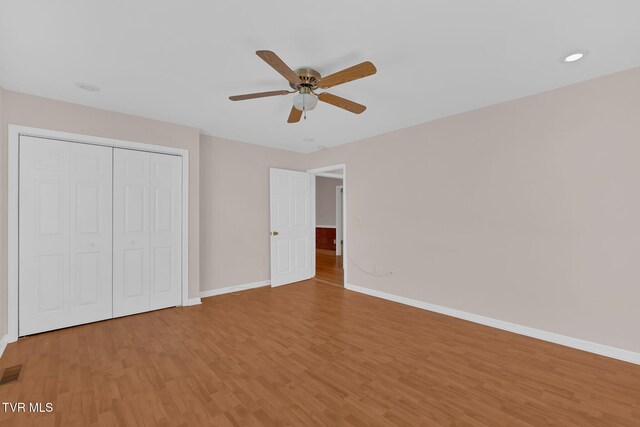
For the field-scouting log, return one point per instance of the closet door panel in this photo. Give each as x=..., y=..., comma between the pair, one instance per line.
x=166, y=230
x=91, y=233
x=44, y=235
x=131, y=232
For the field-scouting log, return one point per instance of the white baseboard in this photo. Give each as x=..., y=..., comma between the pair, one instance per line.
x=580, y=344
x=3, y=343
x=193, y=301
x=236, y=288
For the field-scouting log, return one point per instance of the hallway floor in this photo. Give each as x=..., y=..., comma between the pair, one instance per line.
x=329, y=268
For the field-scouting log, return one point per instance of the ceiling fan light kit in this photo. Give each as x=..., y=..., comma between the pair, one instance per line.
x=304, y=82
x=305, y=101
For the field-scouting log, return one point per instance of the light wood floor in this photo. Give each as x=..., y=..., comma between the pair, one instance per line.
x=329, y=267
x=311, y=354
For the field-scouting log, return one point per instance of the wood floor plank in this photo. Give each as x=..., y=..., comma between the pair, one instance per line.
x=311, y=354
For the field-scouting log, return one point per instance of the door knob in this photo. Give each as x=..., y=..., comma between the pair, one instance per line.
x=132, y=242
x=275, y=233
x=92, y=244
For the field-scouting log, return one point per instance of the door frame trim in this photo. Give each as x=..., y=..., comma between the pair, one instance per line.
x=323, y=172
x=14, y=133
x=339, y=224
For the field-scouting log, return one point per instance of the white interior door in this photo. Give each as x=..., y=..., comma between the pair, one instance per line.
x=130, y=232
x=165, y=248
x=90, y=233
x=147, y=206
x=44, y=235
x=65, y=234
x=290, y=204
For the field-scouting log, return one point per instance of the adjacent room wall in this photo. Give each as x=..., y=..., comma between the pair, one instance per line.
x=526, y=212
x=326, y=200
x=28, y=110
x=234, y=193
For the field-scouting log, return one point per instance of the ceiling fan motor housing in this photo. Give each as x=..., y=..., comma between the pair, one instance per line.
x=310, y=79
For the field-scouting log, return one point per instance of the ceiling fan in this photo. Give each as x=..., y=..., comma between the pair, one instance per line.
x=304, y=82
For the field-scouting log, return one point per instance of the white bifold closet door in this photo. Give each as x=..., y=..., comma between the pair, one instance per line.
x=65, y=234
x=147, y=226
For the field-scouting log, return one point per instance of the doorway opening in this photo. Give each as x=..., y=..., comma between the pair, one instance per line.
x=328, y=224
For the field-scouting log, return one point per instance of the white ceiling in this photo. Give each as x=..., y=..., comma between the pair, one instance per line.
x=178, y=61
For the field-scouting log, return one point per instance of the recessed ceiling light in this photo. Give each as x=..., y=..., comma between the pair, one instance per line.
x=322, y=147
x=88, y=87
x=574, y=57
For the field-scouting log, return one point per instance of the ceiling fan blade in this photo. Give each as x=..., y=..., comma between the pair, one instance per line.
x=354, y=107
x=279, y=65
x=294, y=115
x=356, y=72
x=258, y=95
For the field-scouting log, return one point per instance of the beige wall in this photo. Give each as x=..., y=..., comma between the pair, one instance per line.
x=527, y=212
x=234, y=193
x=326, y=200
x=28, y=110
